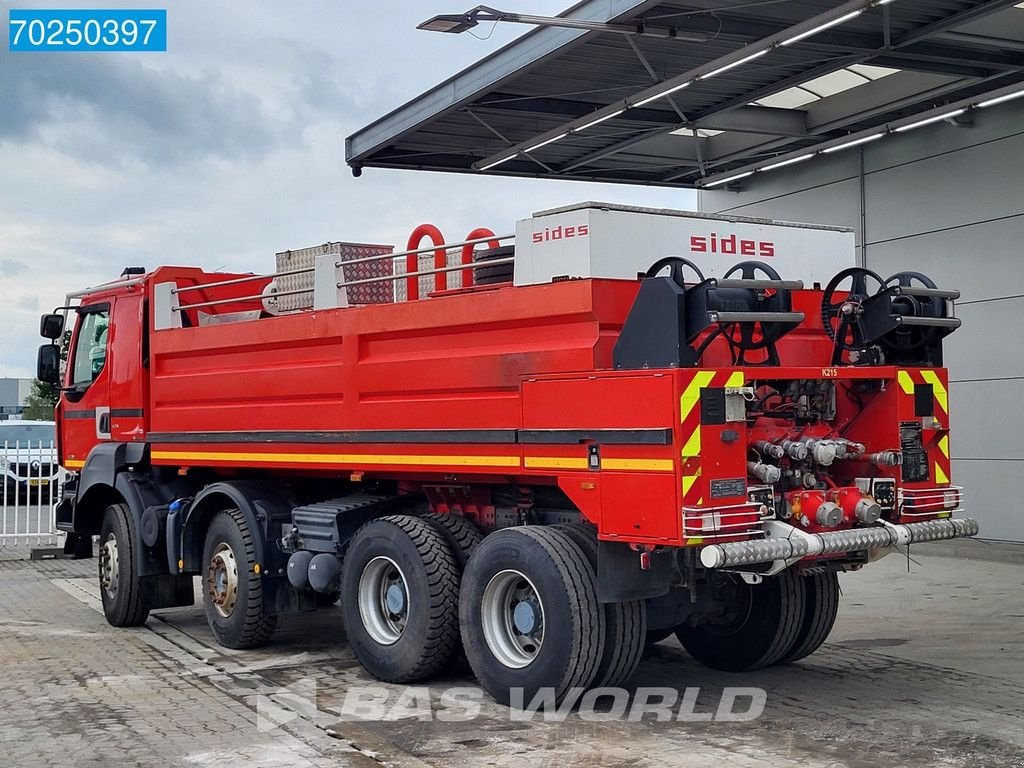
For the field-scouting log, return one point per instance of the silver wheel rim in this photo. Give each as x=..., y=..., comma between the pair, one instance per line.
x=222, y=580
x=109, y=571
x=383, y=600
x=513, y=619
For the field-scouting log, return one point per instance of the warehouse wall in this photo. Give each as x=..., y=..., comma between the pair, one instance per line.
x=949, y=202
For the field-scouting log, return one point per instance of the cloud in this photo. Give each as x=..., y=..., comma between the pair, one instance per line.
x=27, y=303
x=157, y=116
x=230, y=147
x=12, y=267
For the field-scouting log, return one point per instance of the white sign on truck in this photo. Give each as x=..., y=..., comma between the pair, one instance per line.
x=615, y=241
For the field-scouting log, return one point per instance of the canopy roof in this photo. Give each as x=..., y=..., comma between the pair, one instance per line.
x=753, y=84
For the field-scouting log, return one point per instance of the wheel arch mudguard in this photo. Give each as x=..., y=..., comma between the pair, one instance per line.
x=259, y=502
x=97, y=485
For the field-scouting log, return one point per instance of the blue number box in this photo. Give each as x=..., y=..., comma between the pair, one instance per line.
x=52, y=30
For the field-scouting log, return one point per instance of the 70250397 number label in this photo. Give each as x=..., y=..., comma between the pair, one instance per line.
x=38, y=29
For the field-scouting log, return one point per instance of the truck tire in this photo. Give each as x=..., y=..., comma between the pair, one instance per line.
x=461, y=534
x=820, y=610
x=232, y=586
x=399, y=599
x=120, y=589
x=759, y=625
x=625, y=622
x=530, y=616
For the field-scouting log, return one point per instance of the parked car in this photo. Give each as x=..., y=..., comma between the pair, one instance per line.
x=28, y=460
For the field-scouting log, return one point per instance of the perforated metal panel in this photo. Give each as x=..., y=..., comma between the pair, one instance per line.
x=302, y=258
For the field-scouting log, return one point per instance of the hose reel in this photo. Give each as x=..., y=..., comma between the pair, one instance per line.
x=901, y=320
x=750, y=307
x=751, y=311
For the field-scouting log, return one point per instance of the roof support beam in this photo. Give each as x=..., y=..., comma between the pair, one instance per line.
x=983, y=41
x=957, y=112
x=753, y=119
x=709, y=69
x=956, y=20
x=625, y=144
x=504, y=138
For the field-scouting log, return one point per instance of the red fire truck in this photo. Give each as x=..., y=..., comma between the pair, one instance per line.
x=541, y=455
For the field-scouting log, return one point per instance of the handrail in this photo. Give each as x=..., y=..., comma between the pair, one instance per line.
x=384, y=278
x=412, y=291
x=468, y=251
x=238, y=299
x=435, y=271
x=239, y=280
x=427, y=249
x=309, y=270
x=106, y=287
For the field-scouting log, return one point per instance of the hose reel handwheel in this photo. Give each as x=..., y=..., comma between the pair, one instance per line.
x=840, y=319
x=913, y=337
x=676, y=265
x=759, y=334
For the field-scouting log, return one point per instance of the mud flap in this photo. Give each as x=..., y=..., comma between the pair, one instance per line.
x=167, y=591
x=620, y=577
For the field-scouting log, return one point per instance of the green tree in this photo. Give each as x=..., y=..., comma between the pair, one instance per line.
x=41, y=401
x=43, y=398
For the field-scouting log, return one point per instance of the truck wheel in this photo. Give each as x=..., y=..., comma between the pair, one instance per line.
x=461, y=534
x=625, y=622
x=120, y=589
x=399, y=597
x=756, y=626
x=530, y=616
x=232, y=589
x=822, y=606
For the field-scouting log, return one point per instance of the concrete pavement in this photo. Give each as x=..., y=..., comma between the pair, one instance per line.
x=923, y=669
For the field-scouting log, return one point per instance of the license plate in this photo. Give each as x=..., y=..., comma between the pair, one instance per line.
x=37, y=482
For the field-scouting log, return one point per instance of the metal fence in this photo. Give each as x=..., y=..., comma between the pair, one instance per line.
x=32, y=482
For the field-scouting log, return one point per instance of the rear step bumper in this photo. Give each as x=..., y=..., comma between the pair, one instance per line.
x=786, y=542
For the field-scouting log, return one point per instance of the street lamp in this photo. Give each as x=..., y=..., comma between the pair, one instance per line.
x=456, y=23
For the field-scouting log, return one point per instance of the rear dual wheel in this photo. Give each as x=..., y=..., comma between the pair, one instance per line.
x=399, y=598
x=625, y=622
x=821, y=606
x=752, y=626
x=783, y=619
x=531, y=622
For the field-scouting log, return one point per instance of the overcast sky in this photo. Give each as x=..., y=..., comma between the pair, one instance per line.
x=230, y=147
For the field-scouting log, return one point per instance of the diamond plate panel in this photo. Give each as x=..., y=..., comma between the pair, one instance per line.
x=302, y=258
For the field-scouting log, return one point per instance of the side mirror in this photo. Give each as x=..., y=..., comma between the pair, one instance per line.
x=51, y=326
x=48, y=364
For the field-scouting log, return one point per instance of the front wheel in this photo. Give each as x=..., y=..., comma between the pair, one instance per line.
x=120, y=589
x=531, y=622
x=232, y=585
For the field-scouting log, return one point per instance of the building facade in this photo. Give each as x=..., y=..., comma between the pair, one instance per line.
x=13, y=394
x=946, y=200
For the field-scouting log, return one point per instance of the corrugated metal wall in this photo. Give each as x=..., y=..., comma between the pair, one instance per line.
x=949, y=202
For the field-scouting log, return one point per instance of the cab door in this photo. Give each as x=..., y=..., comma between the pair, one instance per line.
x=85, y=407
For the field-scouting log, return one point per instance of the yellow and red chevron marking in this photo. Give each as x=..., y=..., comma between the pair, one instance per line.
x=908, y=381
x=689, y=417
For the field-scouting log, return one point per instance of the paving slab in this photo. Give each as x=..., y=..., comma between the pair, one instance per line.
x=924, y=668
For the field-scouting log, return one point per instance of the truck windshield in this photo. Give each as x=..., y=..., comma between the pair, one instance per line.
x=27, y=433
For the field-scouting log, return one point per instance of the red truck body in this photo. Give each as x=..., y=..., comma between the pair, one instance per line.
x=477, y=385
x=696, y=446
